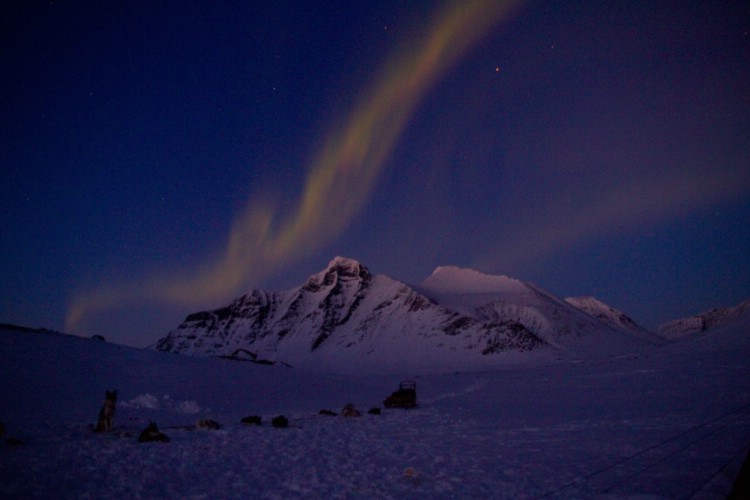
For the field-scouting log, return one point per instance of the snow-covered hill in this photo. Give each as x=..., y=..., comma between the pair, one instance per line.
x=346, y=318
x=673, y=423
x=704, y=321
x=570, y=326
x=611, y=316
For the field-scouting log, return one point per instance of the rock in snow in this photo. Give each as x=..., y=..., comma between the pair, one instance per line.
x=345, y=317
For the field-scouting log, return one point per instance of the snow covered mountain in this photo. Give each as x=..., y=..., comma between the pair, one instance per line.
x=609, y=315
x=344, y=316
x=575, y=326
x=704, y=321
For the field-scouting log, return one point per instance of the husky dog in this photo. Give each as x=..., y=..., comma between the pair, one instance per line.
x=107, y=413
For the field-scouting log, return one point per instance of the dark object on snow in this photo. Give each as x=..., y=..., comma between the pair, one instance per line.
x=252, y=420
x=328, y=413
x=207, y=423
x=107, y=413
x=374, y=411
x=349, y=411
x=741, y=487
x=151, y=433
x=280, y=422
x=404, y=397
x=10, y=440
x=245, y=355
x=13, y=441
x=100, y=338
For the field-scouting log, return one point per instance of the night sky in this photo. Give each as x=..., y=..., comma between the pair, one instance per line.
x=161, y=158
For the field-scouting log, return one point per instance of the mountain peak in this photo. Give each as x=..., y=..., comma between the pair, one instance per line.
x=452, y=279
x=338, y=268
x=346, y=267
x=588, y=302
x=339, y=262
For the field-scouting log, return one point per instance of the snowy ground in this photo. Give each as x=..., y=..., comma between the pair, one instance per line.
x=674, y=423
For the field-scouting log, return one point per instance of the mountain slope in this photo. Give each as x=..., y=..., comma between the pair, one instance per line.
x=557, y=322
x=344, y=318
x=611, y=316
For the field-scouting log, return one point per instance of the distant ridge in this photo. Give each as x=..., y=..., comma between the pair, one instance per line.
x=24, y=329
x=704, y=321
x=46, y=331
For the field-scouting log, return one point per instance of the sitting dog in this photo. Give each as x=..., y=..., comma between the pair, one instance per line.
x=107, y=413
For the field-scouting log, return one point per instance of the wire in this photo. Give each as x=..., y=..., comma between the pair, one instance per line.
x=642, y=452
x=666, y=457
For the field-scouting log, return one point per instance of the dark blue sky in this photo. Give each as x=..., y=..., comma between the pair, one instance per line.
x=162, y=158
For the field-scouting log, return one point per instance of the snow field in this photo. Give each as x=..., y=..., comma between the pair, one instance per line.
x=419, y=453
x=670, y=423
